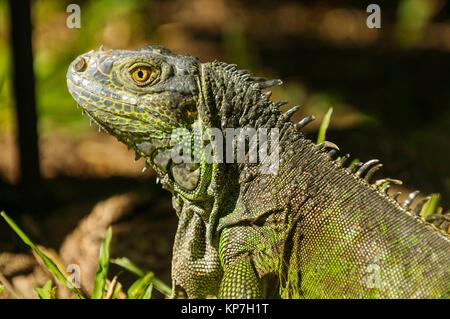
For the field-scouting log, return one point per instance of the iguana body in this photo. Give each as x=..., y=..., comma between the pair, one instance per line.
x=315, y=229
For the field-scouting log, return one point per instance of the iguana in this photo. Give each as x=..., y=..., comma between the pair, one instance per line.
x=316, y=228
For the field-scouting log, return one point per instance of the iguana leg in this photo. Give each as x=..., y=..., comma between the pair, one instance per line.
x=196, y=268
x=239, y=276
x=240, y=281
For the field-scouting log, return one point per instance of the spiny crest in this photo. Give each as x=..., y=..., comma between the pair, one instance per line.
x=261, y=84
x=286, y=116
x=238, y=74
x=245, y=77
x=427, y=208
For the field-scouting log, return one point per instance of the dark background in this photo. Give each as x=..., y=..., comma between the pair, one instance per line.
x=389, y=88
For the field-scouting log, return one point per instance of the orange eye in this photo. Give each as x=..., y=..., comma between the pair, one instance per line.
x=141, y=74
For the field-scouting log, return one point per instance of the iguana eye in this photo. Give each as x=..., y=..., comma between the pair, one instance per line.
x=141, y=74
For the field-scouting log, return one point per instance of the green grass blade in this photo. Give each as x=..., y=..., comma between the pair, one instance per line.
x=48, y=262
x=139, y=287
x=431, y=206
x=128, y=265
x=147, y=294
x=324, y=126
x=133, y=268
x=46, y=292
x=103, y=265
x=162, y=287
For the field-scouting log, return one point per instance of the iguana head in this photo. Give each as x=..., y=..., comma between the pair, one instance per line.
x=138, y=96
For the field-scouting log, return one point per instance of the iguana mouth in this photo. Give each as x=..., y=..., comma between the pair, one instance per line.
x=86, y=100
x=89, y=100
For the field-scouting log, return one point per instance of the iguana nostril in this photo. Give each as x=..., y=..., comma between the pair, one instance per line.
x=80, y=65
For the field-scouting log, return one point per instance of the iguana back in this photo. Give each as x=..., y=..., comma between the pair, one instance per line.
x=342, y=236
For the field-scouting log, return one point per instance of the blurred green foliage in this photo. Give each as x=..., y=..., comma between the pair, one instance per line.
x=57, y=49
x=55, y=46
x=6, y=102
x=413, y=16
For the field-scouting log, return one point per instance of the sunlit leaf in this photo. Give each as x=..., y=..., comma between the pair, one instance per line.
x=102, y=268
x=324, y=126
x=133, y=268
x=46, y=292
x=431, y=206
x=128, y=265
x=139, y=287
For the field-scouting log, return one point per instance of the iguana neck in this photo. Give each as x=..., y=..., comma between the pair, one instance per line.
x=229, y=98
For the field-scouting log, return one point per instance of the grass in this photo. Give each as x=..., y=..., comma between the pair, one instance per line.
x=103, y=288
x=431, y=206
x=103, y=266
x=324, y=126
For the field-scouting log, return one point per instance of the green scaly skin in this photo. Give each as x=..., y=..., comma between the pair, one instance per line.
x=316, y=229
